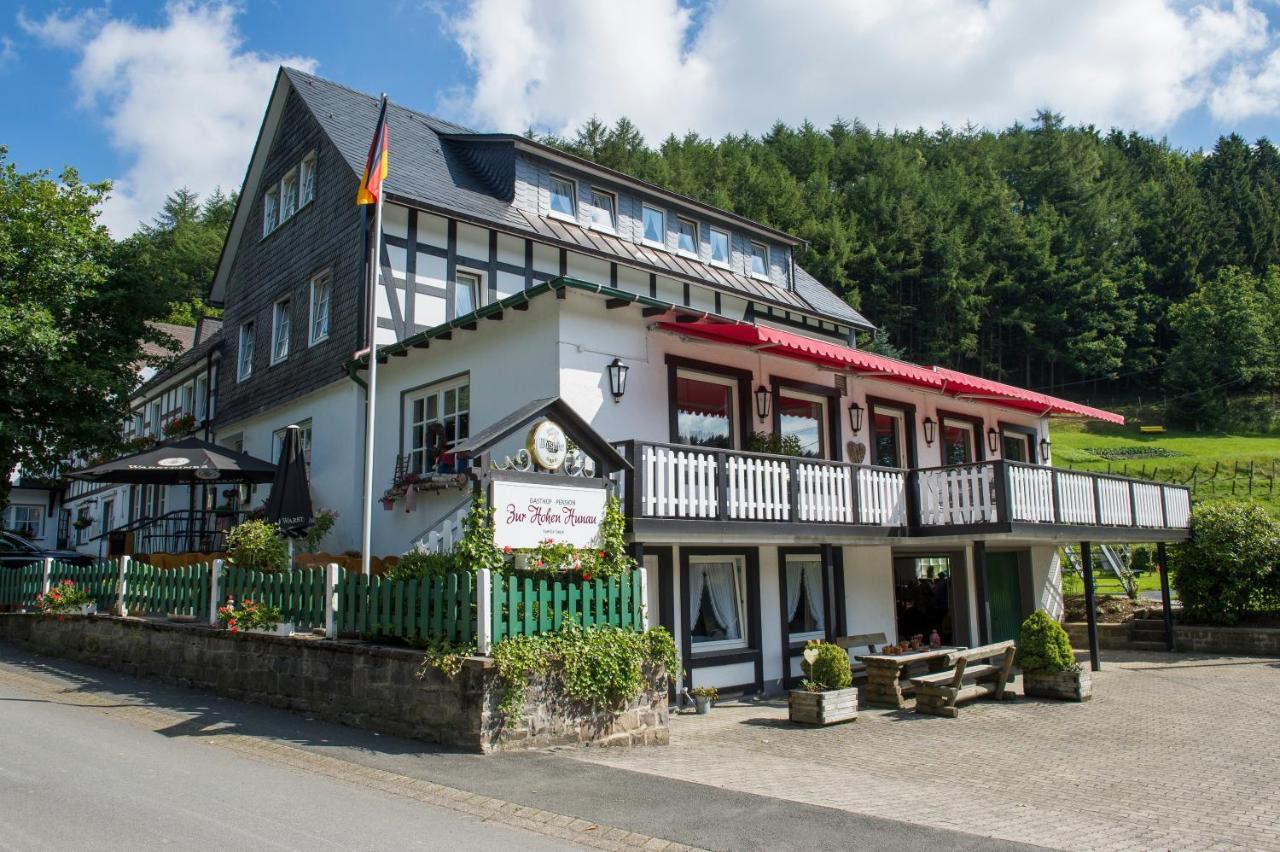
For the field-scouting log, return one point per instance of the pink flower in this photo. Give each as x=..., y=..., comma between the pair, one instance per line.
x=506, y=549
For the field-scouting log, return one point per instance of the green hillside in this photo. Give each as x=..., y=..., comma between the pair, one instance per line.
x=1217, y=466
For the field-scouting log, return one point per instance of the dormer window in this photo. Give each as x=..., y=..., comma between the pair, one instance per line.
x=563, y=198
x=719, y=247
x=289, y=195
x=307, y=183
x=603, y=209
x=760, y=260
x=687, y=240
x=655, y=226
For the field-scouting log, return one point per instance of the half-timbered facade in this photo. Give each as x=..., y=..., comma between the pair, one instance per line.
x=783, y=484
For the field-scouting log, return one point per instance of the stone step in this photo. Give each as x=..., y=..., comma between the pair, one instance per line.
x=1147, y=646
x=1148, y=622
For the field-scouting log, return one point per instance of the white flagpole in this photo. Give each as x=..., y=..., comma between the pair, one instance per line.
x=371, y=311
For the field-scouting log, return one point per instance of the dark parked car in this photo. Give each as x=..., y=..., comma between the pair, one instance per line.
x=16, y=551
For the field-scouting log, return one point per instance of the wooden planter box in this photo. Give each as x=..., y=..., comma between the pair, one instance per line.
x=1066, y=686
x=823, y=708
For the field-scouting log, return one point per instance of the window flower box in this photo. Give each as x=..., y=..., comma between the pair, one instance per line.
x=183, y=424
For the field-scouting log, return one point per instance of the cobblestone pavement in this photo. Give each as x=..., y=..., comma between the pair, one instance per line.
x=1174, y=752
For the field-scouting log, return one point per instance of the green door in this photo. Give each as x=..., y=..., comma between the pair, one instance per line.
x=1005, y=594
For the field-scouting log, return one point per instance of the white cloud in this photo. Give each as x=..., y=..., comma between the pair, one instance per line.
x=8, y=53
x=182, y=101
x=1140, y=63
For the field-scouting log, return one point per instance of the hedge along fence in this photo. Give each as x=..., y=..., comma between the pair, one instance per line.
x=523, y=606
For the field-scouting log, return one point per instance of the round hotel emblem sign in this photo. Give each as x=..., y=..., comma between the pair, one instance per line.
x=173, y=461
x=548, y=445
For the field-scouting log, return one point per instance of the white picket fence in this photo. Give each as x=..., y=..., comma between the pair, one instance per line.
x=1177, y=507
x=957, y=495
x=1031, y=494
x=1113, y=503
x=825, y=493
x=882, y=497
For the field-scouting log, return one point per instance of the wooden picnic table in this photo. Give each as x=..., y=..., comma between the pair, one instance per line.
x=885, y=671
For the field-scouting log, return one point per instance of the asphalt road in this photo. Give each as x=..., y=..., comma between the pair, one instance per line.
x=74, y=771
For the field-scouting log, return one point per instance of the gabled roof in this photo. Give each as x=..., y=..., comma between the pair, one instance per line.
x=554, y=407
x=442, y=166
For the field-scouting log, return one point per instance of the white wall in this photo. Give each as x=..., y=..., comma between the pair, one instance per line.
x=39, y=497
x=1046, y=579
x=868, y=592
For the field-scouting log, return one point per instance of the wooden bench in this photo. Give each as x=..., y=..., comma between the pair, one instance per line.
x=965, y=678
x=1151, y=430
x=870, y=641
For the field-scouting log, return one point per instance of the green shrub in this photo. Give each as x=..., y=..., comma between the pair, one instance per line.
x=1229, y=564
x=830, y=670
x=259, y=546
x=420, y=564
x=1043, y=645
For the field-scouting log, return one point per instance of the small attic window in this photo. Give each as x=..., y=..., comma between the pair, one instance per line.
x=603, y=209
x=307, y=186
x=759, y=260
x=270, y=210
x=563, y=198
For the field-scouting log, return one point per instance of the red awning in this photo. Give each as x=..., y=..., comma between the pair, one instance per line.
x=949, y=382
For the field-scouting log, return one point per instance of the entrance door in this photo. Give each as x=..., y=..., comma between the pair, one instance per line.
x=1004, y=591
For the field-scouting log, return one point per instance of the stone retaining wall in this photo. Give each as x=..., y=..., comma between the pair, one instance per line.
x=366, y=686
x=1254, y=641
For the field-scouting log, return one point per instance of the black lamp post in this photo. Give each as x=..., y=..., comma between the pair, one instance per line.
x=929, y=428
x=618, y=379
x=762, y=402
x=1044, y=450
x=993, y=440
x=855, y=417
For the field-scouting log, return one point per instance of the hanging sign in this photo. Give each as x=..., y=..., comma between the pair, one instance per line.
x=525, y=514
x=548, y=445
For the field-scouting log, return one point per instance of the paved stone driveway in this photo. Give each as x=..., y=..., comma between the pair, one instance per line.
x=1174, y=752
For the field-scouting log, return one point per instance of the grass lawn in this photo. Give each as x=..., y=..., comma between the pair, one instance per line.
x=1195, y=452
x=1105, y=582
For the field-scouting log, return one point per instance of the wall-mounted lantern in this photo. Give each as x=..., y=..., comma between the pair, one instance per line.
x=762, y=402
x=930, y=427
x=1044, y=450
x=993, y=440
x=618, y=379
x=855, y=417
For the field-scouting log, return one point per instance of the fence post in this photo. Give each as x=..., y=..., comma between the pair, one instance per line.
x=484, y=604
x=122, y=582
x=215, y=579
x=47, y=569
x=331, y=600
x=644, y=598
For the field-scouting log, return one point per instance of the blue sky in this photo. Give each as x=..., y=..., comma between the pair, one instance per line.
x=154, y=95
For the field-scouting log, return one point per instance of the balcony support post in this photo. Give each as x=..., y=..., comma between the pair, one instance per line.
x=1055, y=496
x=1000, y=479
x=1167, y=607
x=980, y=589
x=722, y=485
x=793, y=489
x=1090, y=604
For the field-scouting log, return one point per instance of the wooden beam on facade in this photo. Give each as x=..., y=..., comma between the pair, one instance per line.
x=652, y=311
x=614, y=304
x=422, y=344
x=496, y=316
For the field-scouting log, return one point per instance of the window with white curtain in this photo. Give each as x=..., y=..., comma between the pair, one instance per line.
x=806, y=617
x=717, y=607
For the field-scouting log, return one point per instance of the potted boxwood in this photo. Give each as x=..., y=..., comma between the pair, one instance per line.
x=826, y=695
x=1049, y=668
x=703, y=697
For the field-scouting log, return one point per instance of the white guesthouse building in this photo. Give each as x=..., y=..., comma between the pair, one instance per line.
x=920, y=498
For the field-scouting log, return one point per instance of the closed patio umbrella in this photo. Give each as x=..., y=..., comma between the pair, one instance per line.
x=289, y=503
x=187, y=461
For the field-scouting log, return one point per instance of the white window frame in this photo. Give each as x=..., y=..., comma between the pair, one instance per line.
x=414, y=453
x=572, y=215
x=740, y=594
x=200, y=396
x=281, y=329
x=244, y=365
x=681, y=221
x=728, y=249
x=326, y=280
x=824, y=403
x=106, y=515
x=975, y=435
x=899, y=417
x=11, y=518
x=277, y=440
x=307, y=180
x=645, y=208
x=808, y=634
x=751, y=267
x=612, y=226
x=155, y=414
x=735, y=426
x=477, y=294
x=270, y=210
x=289, y=195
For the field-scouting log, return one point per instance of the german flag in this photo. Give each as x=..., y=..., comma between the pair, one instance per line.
x=375, y=168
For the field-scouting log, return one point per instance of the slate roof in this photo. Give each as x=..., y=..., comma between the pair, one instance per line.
x=437, y=174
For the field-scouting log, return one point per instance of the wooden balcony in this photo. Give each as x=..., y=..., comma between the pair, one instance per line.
x=678, y=489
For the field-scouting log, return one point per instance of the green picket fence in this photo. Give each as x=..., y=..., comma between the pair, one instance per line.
x=440, y=607
x=19, y=587
x=299, y=593
x=149, y=590
x=99, y=578
x=523, y=606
